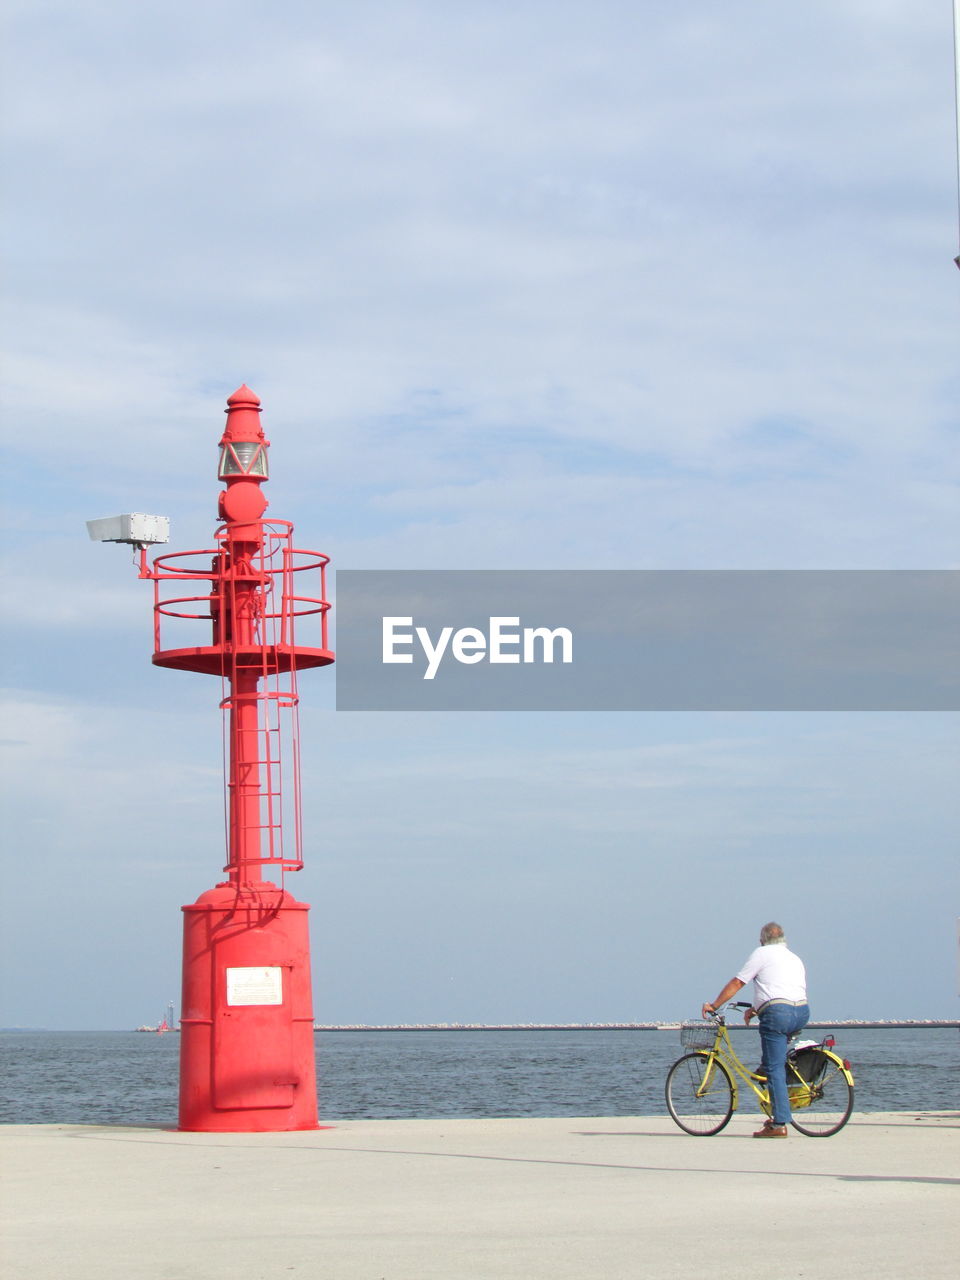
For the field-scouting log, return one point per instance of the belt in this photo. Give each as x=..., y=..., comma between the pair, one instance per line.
x=796, y=1004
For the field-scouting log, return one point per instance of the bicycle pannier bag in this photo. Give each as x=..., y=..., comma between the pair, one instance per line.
x=809, y=1064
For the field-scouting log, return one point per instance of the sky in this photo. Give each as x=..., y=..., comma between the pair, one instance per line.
x=618, y=285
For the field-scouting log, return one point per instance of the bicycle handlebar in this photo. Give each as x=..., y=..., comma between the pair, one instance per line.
x=717, y=1014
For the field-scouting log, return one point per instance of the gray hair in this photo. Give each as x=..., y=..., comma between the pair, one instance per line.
x=771, y=933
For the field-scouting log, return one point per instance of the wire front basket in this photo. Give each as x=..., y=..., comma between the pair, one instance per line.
x=698, y=1035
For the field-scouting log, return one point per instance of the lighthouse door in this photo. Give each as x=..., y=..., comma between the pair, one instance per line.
x=253, y=1060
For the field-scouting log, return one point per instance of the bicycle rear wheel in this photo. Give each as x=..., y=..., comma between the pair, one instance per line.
x=822, y=1108
x=699, y=1094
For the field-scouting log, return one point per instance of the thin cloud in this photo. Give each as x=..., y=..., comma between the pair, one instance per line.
x=627, y=285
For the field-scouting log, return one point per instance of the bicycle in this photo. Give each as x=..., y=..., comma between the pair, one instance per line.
x=702, y=1093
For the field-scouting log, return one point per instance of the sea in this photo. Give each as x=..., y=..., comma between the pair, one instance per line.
x=130, y=1078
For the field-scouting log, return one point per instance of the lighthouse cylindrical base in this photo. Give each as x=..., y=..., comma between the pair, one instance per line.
x=246, y=1044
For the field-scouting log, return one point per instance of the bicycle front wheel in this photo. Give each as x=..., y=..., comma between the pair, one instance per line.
x=822, y=1108
x=699, y=1094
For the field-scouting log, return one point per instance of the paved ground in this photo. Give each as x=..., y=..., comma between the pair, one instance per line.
x=483, y=1200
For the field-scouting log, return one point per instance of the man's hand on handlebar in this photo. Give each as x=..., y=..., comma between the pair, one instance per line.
x=710, y=1010
x=750, y=1010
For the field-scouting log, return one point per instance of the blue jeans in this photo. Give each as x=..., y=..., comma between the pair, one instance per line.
x=777, y=1023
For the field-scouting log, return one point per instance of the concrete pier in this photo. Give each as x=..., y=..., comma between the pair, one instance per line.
x=611, y=1198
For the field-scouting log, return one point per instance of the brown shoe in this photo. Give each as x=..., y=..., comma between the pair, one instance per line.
x=771, y=1130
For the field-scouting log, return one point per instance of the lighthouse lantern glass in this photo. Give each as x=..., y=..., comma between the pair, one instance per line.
x=243, y=458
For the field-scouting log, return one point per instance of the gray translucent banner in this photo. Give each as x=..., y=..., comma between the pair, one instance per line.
x=625, y=640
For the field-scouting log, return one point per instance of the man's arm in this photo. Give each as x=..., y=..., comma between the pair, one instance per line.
x=731, y=989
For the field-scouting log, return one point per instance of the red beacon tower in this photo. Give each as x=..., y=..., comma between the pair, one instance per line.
x=246, y=1045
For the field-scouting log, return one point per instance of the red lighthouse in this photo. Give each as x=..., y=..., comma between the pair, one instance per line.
x=246, y=1052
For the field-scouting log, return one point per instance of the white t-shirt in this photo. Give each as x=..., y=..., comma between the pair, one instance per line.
x=776, y=974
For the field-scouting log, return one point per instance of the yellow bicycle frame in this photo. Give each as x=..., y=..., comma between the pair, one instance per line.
x=800, y=1091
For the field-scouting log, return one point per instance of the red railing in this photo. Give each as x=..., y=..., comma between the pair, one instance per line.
x=261, y=598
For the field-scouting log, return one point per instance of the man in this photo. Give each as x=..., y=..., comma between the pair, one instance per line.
x=780, y=1000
